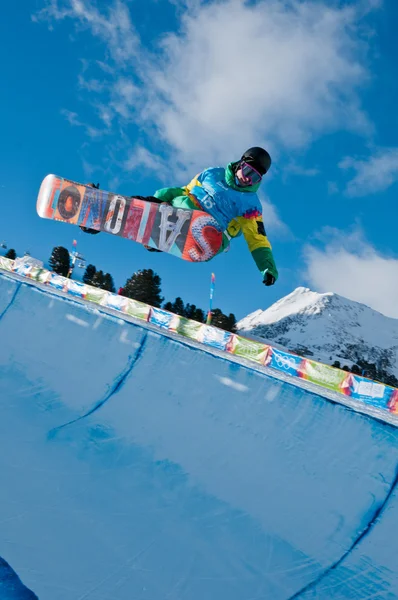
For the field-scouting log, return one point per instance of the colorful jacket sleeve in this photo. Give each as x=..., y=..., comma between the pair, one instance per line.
x=168, y=194
x=257, y=241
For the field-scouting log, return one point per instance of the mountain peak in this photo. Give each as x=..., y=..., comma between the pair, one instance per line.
x=326, y=327
x=301, y=301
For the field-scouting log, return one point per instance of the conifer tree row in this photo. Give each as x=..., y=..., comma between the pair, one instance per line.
x=144, y=285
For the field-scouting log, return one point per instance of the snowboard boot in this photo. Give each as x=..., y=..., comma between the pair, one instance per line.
x=151, y=249
x=89, y=230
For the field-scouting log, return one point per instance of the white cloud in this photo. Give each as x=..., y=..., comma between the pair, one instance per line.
x=333, y=188
x=271, y=218
x=277, y=73
x=235, y=74
x=105, y=67
x=73, y=119
x=125, y=95
x=350, y=266
x=142, y=157
x=106, y=114
x=92, y=85
x=374, y=174
x=115, y=28
x=296, y=169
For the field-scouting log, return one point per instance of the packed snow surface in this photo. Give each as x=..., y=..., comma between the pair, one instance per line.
x=138, y=466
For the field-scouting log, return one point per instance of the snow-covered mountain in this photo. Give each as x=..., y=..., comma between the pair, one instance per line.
x=327, y=327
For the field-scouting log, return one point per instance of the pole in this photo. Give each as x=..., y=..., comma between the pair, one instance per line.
x=212, y=286
x=74, y=256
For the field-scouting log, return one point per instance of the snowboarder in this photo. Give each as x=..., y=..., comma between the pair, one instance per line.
x=229, y=195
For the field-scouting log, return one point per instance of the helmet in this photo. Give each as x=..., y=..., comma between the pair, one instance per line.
x=259, y=158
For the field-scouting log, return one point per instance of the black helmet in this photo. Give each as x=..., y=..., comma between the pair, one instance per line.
x=259, y=158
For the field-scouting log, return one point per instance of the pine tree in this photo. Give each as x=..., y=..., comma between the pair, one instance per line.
x=178, y=307
x=144, y=286
x=198, y=315
x=231, y=323
x=190, y=310
x=194, y=313
x=222, y=321
x=11, y=254
x=60, y=261
x=218, y=319
x=108, y=283
x=89, y=274
x=98, y=279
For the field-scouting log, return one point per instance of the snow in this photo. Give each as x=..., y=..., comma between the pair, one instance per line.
x=327, y=325
x=302, y=300
x=137, y=466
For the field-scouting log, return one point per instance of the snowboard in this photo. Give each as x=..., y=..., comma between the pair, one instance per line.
x=192, y=235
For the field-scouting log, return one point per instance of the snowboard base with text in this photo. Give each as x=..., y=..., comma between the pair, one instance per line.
x=192, y=235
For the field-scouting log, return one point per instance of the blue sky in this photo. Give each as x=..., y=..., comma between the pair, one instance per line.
x=142, y=95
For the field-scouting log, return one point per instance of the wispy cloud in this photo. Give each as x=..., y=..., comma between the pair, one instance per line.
x=374, y=174
x=272, y=220
x=293, y=168
x=349, y=265
x=114, y=28
x=92, y=85
x=73, y=119
x=88, y=168
x=125, y=98
x=142, y=157
x=333, y=188
x=234, y=74
x=105, y=113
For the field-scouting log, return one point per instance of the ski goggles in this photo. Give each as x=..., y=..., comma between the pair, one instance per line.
x=250, y=173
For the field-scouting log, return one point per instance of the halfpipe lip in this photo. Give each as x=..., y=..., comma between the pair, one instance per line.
x=328, y=395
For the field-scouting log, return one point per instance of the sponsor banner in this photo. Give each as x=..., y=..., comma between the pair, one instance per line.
x=105, y=298
x=58, y=282
x=212, y=336
x=23, y=269
x=28, y=260
x=39, y=274
x=137, y=309
x=95, y=294
x=6, y=263
x=186, y=327
x=324, y=375
x=75, y=288
x=248, y=349
x=161, y=318
x=393, y=400
x=115, y=302
x=371, y=392
x=285, y=362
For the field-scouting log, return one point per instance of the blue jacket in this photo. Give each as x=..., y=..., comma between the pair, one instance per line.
x=220, y=200
x=238, y=210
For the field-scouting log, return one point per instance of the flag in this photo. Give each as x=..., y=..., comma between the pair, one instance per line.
x=212, y=286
